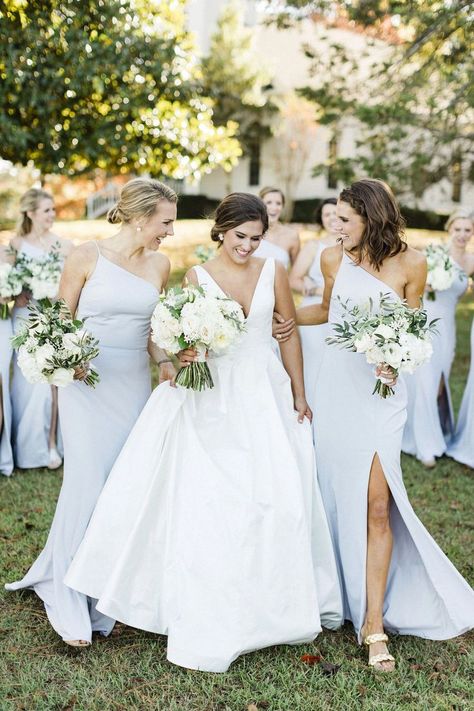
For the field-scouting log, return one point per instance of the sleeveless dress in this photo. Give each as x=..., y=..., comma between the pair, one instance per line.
x=313, y=338
x=425, y=594
x=268, y=249
x=31, y=402
x=6, y=453
x=461, y=448
x=210, y=528
x=430, y=426
x=95, y=423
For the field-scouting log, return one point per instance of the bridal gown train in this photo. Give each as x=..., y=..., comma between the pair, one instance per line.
x=31, y=403
x=95, y=423
x=210, y=528
x=6, y=453
x=461, y=448
x=425, y=594
x=430, y=425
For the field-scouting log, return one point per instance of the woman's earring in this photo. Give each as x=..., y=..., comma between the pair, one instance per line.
x=139, y=229
x=221, y=237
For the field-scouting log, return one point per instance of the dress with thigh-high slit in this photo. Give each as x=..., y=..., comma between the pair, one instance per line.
x=117, y=306
x=430, y=421
x=425, y=594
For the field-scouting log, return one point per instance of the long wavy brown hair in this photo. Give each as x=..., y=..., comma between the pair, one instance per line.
x=384, y=229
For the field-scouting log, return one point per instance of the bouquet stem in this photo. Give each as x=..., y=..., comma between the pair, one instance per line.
x=195, y=376
x=383, y=389
x=4, y=312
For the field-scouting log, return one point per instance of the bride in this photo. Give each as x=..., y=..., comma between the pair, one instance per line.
x=210, y=528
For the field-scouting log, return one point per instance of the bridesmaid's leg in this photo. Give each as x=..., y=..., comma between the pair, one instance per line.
x=55, y=460
x=379, y=552
x=1, y=406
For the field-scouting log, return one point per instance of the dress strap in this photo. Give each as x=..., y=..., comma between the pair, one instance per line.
x=98, y=248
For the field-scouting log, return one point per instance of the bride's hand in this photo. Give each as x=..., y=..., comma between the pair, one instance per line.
x=386, y=372
x=187, y=356
x=281, y=329
x=303, y=409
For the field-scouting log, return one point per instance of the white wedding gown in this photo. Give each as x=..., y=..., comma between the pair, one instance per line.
x=210, y=528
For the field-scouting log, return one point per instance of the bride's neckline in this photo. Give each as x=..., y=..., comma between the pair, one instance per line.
x=229, y=296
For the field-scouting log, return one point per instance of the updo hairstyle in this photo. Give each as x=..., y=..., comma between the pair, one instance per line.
x=265, y=191
x=234, y=210
x=139, y=198
x=462, y=213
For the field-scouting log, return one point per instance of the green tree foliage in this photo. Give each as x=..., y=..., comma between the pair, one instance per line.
x=235, y=79
x=416, y=109
x=109, y=84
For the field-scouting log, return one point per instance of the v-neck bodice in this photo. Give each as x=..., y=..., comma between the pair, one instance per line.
x=259, y=320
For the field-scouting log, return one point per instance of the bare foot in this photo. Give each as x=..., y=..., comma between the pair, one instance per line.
x=77, y=642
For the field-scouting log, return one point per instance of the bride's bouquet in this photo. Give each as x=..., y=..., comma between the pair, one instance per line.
x=41, y=275
x=11, y=284
x=51, y=345
x=191, y=318
x=392, y=334
x=442, y=270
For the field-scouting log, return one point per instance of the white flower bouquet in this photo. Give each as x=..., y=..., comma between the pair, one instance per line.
x=51, y=345
x=191, y=318
x=40, y=276
x=203, y=253
x=11, y=284
x=442, y=270
x=393, y=335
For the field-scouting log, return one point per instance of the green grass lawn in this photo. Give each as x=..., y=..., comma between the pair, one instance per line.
x=129, y=670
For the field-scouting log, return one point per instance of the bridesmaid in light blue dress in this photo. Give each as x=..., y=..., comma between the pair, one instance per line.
x=35, y=432
x=6, y=332
x=461, y=448
x=116, y=287
x=393, y=574
x=307, y=279
x=281, y=241
x=430, y=422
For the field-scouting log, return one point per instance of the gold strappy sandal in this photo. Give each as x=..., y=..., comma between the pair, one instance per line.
x=376, y=660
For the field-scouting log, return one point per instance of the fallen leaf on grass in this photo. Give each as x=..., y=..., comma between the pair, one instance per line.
x=252, y=707
x=311, y=659
x=362, y=690
x=416, y=667
x=70, y=704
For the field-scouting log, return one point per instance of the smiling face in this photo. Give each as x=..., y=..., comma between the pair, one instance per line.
x=329, y=217
x=274, y=203
x=350, y=226
x=159, y=225
x=241, y=242
x=43, y=217
x=461, y=231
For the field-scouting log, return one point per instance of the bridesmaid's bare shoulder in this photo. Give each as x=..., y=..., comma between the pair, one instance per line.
x=331, y=259
x=83, y=257
x=413, y=261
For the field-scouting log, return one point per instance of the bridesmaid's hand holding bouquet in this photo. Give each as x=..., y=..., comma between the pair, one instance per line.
x=188, y=317
x=442, y=270
x=392, y=335
x=53, y=347
x=11, y=285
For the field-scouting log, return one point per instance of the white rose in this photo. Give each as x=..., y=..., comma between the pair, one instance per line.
x=393, y=355
x=29, y=367
x=364, y=342
x=71, y=343
x=384, y=331
x=43, y=354
x=375, y=355
x=61, y=377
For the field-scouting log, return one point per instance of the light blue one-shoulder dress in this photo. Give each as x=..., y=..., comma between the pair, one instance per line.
x=31, y=402
x=461, y=448
x=6, y=453
x=430, y=420
x=95, y=423
x=425, y=595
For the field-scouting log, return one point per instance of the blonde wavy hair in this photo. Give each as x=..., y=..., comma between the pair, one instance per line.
x=139, y=198
x=29, y=202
